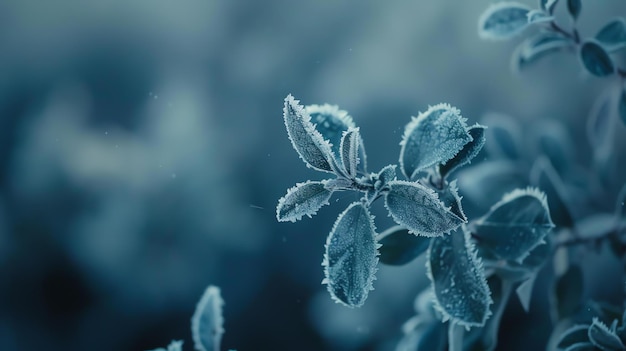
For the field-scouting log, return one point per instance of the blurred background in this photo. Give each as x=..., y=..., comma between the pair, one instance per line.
x=143, y=151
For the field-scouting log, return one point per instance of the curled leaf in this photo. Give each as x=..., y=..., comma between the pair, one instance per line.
x=604, y=338
x=332, y=122
x=351, y=256
x=349, y=151
x=515, y=225
x=400, y=247
x=433, y=137
x=207, y=321
x=469, y=151
x=313, y=149
x=595, y=59
x=503, y=20
x=419, y=209
x=458, y=279
x=303, y=199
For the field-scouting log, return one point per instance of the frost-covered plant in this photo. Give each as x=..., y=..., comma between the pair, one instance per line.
x=207, y=323
x=509, y=240
x=505, y=20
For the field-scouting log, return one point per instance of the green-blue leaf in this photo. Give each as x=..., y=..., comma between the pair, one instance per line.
x=175, y=345
x=621, y=107
x=503, y=20
x=538, y=16
x=313, y=149
x=613, y=34
x=433, y=137
x=419, y=209
x=400, y=247
x=604, y=338
x=332, y=122
x=504, y=135
x=207, y=323
x=351, y=256
x=548, y=5
x=458, y=279
x=568, y=292
x=469, y=151
x=545, y=177
x=534, y=48
x=349, y=151
x=574, y=7
x=595, y=59
x=303, y=199
x=515, y=225
x=574, y=335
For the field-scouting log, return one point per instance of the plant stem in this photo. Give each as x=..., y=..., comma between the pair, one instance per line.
x=575, y=37
x=455, y=337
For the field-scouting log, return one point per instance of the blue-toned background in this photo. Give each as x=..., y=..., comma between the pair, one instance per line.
x=143, y=151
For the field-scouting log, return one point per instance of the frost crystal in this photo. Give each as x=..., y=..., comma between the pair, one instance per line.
x=351, y=256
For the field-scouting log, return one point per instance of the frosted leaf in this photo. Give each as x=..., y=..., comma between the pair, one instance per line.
x=544, y=176
x=351, y=256
x=433, y=137
x=515, y=225
x=303, y=199
x=595, y=59
x=419, y=209
x=604, y=338
x=305, y=139
x=538, y=16
x=468, y=152
x=534, y=48
x=175, y=345
x=574, y=335
x=458, y=278
x=574, y=7
x=332, y=122
x=349, y=151
x=400, y=247
x=207, y=323
x=613, y=34
x=450, y=198
x=503, y=20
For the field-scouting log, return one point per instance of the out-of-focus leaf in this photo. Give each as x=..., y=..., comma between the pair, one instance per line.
x=400, y=247
x=524, y=291
x=469, y=151
x=303, y=199
x=604, y=338
x=503, y=20
x=419, y=210
x=207, y=322
x=485, y=183
x=423, y=336
x=515, y=225
x=595, y=59
x=351, y=256
x=458, y=278
x=568, y=292
x=544, y=176
x=553, y=140
x=574, y=335
x=433, y=137
x=313, y=149
x=601, y=126
x=613, y=34
x=537, y=47
x=349, y=151
x=175, y=345
x=538, y=16
x=548, y=5
x=574, y=7
x=504, y=135
x=620, y=203
x=621, y=107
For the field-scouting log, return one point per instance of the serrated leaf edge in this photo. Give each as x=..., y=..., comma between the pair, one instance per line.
x=290, y=191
